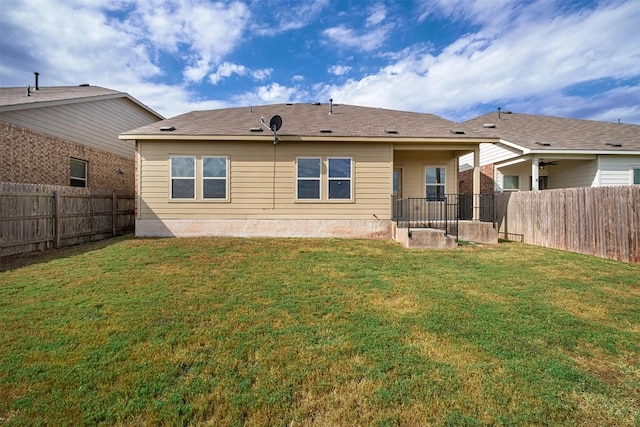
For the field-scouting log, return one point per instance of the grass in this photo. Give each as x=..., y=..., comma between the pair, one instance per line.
x=318, y=332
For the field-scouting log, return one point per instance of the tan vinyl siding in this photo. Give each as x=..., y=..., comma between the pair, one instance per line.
x=413, y=164
x=573, y=173
x=95, y=124
x=254, y=194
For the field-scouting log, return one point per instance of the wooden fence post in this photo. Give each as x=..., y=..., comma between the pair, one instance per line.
x=114, y=216
x=56, y=219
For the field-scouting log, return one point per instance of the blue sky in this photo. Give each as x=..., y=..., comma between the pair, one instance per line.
x=454, y=58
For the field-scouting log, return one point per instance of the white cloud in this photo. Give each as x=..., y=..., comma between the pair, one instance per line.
x=227, y=69
x=201, y=31
x=533, y=56
x=297, y=78
x=273, y=93
x=368, y=41
x=339, y=70
x=377, y=14
x=287, y=18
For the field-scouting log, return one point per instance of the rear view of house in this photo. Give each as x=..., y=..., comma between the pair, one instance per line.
x=69, y=136
x=328, y=171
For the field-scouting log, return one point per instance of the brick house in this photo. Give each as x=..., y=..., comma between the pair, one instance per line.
x=68, y=136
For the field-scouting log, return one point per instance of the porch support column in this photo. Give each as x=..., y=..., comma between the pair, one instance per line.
x=476, y=184
x=535, y=174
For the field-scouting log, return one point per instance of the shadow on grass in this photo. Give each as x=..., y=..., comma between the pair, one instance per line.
x=13, y=262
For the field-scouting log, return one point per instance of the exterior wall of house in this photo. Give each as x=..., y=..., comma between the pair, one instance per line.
x=262, y=182
x=573, y=173
x=521, y=170
x=489, y=154
x=617, y=170
x=32, y=157
x=487, y=180
x=413, y=164
x=95, y=124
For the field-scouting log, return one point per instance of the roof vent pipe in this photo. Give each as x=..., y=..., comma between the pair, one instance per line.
x=37, y=74
x=499, y=118
x=331, y=106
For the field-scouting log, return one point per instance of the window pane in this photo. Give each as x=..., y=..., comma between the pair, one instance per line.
x=511, y=182
x=183, y=167
x=435, y=175
x=214, y=167
x=339, y=168
x=78, y=169
x=339, y=189
x=309, y=189
x=182, y=188
x=435, y=192
x=215, y=188
x=396, y=181
x=308, y=168
x=636, y=176
x=78, y=182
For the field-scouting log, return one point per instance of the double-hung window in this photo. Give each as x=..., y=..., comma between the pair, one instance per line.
x=214, y=177
x=636, y=176
x=435, y=183
x=339, y=178
x=511, y=182
x=183, y=177
x=78, y=173
x=308, y=174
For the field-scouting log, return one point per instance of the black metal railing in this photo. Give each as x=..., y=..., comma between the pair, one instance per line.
x=442, y=212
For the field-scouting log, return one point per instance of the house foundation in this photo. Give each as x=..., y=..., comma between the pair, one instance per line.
x=327, y=228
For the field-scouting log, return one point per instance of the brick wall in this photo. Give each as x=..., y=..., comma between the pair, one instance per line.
x=32, y=157
x=487, y=180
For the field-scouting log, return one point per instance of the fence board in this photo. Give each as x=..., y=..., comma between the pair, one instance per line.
x=39, y=217
x=602, y=221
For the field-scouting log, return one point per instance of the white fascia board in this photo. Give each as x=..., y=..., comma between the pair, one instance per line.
x=512, y=145
x=512, y=162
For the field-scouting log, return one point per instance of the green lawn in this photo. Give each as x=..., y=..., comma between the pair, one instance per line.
x=318, y=332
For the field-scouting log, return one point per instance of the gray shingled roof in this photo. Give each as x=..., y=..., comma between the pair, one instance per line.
x=532, y=131
x=14, y=98
x=305, y=120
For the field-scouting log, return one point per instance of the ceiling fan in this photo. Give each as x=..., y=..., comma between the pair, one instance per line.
x=542, y=164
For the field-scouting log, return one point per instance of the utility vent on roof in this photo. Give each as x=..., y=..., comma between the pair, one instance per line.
x=326, y=131
x=457, y=131
x=167, y=128
x=255, y=129
x=84, y=85
x=489, y=125
x=613, y=144
x=289, y=103
x=391, y=130
x=544, y=144
x=317, y=103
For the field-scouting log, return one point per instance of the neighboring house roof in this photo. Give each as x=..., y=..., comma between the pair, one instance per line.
x=547, y=134
x=19, y=98
x=303, y=120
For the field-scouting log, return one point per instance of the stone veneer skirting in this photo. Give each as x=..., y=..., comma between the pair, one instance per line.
x=320, y=228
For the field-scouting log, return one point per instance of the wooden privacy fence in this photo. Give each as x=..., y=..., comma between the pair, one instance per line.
x=38, y=217
x=601, y=221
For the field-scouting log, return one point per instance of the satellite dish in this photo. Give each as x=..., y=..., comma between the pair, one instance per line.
x=276, y=123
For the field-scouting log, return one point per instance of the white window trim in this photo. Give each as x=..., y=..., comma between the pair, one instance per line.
x=350, y=199
x=203, y=178
x=319, y=179
x=86, y=172
x=443, y=185
x=171, y=177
